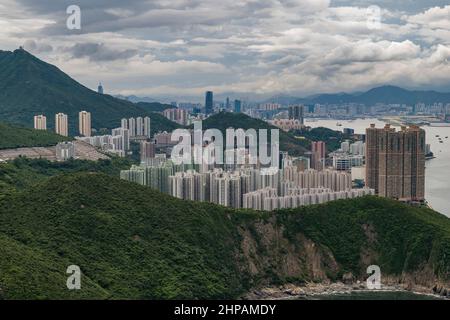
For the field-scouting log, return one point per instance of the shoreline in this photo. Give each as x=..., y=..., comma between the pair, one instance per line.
x=316, y=290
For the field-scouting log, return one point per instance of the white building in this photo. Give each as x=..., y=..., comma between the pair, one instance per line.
x=65, y=151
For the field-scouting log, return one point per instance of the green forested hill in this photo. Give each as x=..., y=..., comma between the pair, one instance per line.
x=225, y=120
x=18, y=137
x=133, y=242
x=29, y=86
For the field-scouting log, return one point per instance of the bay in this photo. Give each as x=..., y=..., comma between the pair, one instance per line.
x=437, y=174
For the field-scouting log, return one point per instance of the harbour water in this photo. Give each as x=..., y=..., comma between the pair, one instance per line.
x=385, y=295
x=437, y=175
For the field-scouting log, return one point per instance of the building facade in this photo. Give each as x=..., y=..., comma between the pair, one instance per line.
x=61, y=124
x=40, y=122
x=85, y=123
x=395, y=162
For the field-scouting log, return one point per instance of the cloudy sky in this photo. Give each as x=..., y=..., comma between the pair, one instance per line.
x=178, y=49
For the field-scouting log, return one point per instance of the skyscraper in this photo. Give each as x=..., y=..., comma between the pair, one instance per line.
x=61, y=124
x=209, y=103
x=139, y=126
x=85, y=123
x=147, y=127
x=147, y=150
x=124, y=123
x=237, y=106
x=297, y=113
x=40, y=122
x=132, y=127
x=395, y=162
x=318, y=149
x=123, y=137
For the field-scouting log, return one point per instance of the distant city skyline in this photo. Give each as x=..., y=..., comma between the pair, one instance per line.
x=254, y=49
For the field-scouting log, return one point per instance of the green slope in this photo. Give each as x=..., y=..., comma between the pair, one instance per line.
x=18, y=137
x=22, y=173
x=225, y=120
x=133, y=242
x=29, y=86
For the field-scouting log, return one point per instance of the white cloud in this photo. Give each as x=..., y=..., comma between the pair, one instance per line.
x=256, y=46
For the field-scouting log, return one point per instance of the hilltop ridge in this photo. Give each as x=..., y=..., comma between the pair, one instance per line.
x=133, y=242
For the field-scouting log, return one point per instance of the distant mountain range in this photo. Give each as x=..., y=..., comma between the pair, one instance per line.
x=29, y=86
x=384, y=94
x=136, y=99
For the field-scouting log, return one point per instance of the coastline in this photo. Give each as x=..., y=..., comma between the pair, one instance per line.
x=311, y=291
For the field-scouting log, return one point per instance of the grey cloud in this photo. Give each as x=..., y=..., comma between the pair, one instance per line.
x=99, y=52
x=36, y=47
x=264, y=46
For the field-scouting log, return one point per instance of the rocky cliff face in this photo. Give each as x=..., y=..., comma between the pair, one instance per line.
x=271, y=257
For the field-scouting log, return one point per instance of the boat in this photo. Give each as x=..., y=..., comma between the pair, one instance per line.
x=339, y=124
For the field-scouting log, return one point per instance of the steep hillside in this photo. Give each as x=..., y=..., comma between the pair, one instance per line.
x=19, y=137
x=22, y=173
x=132, y=242
x=225, y=120
x=29, y=86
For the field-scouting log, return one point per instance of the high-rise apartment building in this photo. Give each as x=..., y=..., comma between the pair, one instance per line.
x=297, y=113
x=65, y=151
x=139, y=126
x=147, y=127
x=209, y=102
x=179, y=116
x=132, y=127
x=61, y=124
x=124, y=123
x=147, y=150
x=40, y=122
x=318, y=150
x=85, y=123
x=395, y=162
x=123, y=136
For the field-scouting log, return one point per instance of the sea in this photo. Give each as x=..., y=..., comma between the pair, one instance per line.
x=376, y=295
x=437, y=174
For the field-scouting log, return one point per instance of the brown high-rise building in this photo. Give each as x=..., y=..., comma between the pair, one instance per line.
x=395, y=162
x=148, y=150
x=318, y=150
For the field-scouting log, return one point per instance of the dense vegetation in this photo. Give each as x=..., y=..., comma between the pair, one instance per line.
x=29, y=86
x=23, y=172
x=18, y=137
x=400, y=238
x=133, y=242
x=225, y=120
x=331, y=137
